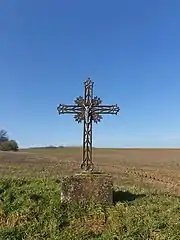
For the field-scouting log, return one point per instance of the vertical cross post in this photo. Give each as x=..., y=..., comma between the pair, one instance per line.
x=87, y=163
x=88, y=109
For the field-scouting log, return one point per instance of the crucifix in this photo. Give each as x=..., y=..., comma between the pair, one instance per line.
x=88, y=110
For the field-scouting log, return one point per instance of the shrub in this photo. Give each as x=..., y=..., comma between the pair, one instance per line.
x=9, y=145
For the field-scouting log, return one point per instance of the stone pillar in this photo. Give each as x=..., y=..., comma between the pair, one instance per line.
x=84, y=187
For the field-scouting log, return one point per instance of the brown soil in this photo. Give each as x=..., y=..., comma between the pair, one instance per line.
x=157, y=168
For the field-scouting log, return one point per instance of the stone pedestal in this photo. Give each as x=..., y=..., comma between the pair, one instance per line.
x=84, y=187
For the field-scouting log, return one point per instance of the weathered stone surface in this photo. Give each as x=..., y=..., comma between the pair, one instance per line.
x=84, y=187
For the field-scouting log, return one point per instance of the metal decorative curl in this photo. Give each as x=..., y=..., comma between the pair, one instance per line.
x=88, y=110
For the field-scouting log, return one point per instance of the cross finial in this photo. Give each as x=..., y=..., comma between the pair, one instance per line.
x=88, y=82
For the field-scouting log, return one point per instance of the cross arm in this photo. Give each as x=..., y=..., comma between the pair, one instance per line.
x=106, y=109
x=72, y=109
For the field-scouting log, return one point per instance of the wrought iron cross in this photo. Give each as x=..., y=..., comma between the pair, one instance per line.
x=88, y=110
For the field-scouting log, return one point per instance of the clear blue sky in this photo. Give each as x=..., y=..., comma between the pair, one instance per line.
x=130, y=49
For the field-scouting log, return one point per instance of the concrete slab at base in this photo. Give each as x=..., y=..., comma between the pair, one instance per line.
x=84, y=187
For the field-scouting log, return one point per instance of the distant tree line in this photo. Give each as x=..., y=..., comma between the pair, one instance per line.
x=48, y=147
x=7, y=144
x=54, y=147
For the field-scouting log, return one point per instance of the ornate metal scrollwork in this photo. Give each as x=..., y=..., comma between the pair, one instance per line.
x=88, y=110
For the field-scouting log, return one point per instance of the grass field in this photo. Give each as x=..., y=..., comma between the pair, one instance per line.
x=147, y=203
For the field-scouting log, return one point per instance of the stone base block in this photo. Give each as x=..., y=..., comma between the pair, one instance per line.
x=84, y=187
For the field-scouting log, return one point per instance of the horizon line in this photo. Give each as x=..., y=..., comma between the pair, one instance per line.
x=59, y=147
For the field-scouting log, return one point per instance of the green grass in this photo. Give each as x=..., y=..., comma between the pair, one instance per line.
x=31, y=209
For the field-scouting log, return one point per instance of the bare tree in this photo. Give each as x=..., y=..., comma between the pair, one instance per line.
x=3, y=135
